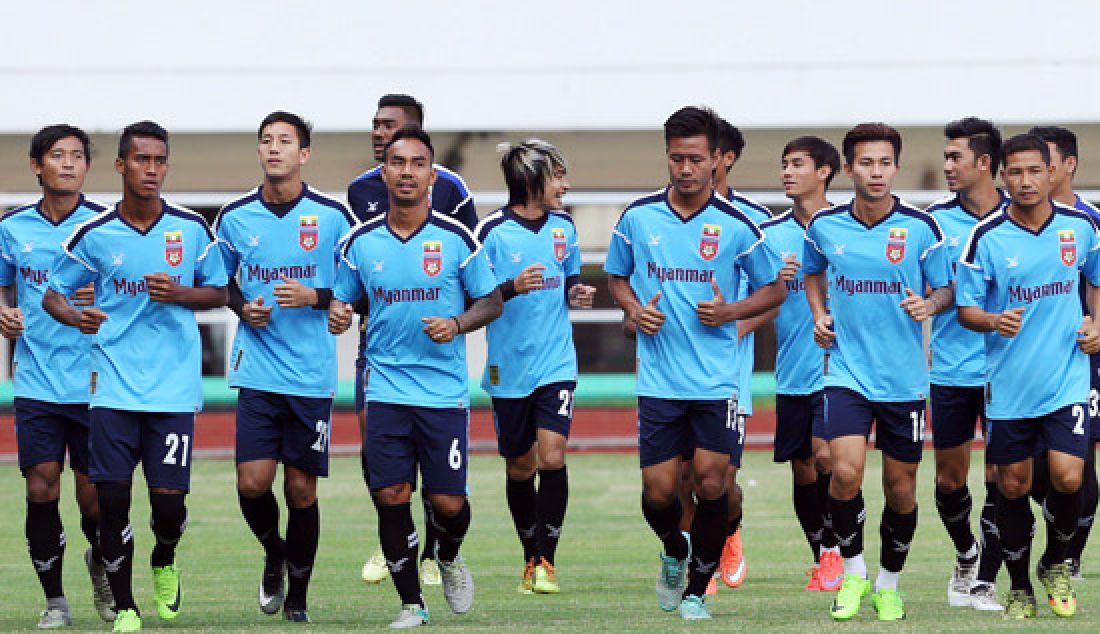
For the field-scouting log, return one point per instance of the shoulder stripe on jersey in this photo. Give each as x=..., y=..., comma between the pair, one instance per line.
x=362, y=229
x=329, y=201
x=454, y=178
x=826, y=212
x=648, y=199
x=83, y=228
x=488, y=223
x=777, y=219
x=95, y=205
x=741, y=198
x=236, y=203
x=563, y=216
x=194, y=216
x=1074, y=212
x=909, y=210
x=947, y=202
x=367, y=174
x=987, y=224
x=18, y=210
x=731, y=210
x=446, y=222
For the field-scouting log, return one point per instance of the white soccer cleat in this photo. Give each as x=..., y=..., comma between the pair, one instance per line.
x=411, y=616
x=983, y=597
x=458, y=585
x=958, y=587
x=102, y=597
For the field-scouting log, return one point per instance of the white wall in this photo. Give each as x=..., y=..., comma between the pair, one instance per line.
x=566, y=64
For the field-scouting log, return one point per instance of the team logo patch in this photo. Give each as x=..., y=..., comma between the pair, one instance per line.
x=307, y=232
x=708, y=244
x=558, y=236
x=1067, y=246
x=173, y=247
x=895, y=245
x=433, y=257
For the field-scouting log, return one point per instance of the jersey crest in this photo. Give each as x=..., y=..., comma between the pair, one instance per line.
x=1067, y=246
x=708, y=244
x=895, y=245
x=307, y=232
x=558, y=236
x=173, y=247
x=433, y=257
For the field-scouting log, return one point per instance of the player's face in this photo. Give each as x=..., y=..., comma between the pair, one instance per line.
x=873, y=170
x=800, y=177
x=144, y=167
x=961, y=168
x=63, y=167
x=554, y=192
x=691, y=163
x=1027, y=178
x=387, y=121
x=1061, y=167
x=408, y=172
x=280, y=151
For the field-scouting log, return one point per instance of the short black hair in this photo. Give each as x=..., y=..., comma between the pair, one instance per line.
x=982, y=137
x=410, y=131
x=413, y=108
x=1063, y=138
x=303, y=127
x=730, y=138
x=692, y=121
x=821, y=151
x=868, y=132
x=147, y=129
x=44, y=140
x=1026, y=143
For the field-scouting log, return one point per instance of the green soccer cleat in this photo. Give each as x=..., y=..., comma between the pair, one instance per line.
x=167, y=591
x=1019, y=604
x=846, y=603
x=375, y=569
x=546, y=580
x=527, y=582
x=1056, y=580
x=888, y=605
x=693, y=608
x=127, y=621
x=671, y=581
x=429, y=573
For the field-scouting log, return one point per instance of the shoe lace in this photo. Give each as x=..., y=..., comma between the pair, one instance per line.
x=163, y=582
x=672, y=570
x=1059, y=580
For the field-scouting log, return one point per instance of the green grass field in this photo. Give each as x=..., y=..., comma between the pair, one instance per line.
x=607, y=562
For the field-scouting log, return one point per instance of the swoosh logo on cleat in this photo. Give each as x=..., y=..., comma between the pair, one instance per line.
x=175, y=606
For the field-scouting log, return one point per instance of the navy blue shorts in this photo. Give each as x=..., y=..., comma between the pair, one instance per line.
x=1013, y=440
x=161, y=441
x=43, y=431
x=516, y=420
x=400, y=437
x=669, y=428
x=291, y=429
x=899, y=425
x=798, y=419
x=956, y=411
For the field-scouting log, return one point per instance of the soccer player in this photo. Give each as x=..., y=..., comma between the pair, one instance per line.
x=535, y=254
x=881, y=254
x=416, y=268
x=282, y=238
x=51, y=366
x=368, y=197
x=1063, y=159
x=674, y=255
x=971, y=157
x=808, y=166
x=153, y=265
x=1018, y=282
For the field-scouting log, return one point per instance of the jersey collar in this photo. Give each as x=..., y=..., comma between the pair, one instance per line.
x=692, y=215
x=38, y=208
x=893, y=209
x=292, y=205
x=163, y=209
x=534, y=226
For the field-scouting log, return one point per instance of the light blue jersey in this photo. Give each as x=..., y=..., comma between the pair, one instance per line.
x=746, y=346
x=878, y=351
x=292, y=354
x=428, y=274
x=531, y=344
x=958, y=353
x=51, y=360
x=1005, y=265
x=660, y=251
x=147, y=356
x=799, y=361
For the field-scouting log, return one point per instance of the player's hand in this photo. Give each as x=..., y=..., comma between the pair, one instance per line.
x=255, y=314
x=84, y=296
x=581, y=296
x=294, y=294
x=339, y=317
x=918, y=307
x=162, y=288
x=630, y=328
x=529, y=279
x=1007, y=324
x=1088, y=336
x=712, y=311
x=824, y=336
x=90, y=319
x=440, y=329
x=790, y=268
x=11, y=322
x=650, y=318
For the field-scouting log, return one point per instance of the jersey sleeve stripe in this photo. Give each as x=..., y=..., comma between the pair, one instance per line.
x=488, y=223
x=194, y=216
x=328, y=201
x=445, y=222
x=970, y=249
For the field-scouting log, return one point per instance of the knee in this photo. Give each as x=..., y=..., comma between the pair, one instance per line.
x=1013, y=485
x=251, y=487
x=1066, y=482
x=42, y=488
x=710, y=484
x=803, y=471
x=300, y=491
x=551, y=458
x=657, y=496
x=521, y=468
x=393, y=495
x=950, y=478
x=447, y=505
x=846, y=477
x=823, y=459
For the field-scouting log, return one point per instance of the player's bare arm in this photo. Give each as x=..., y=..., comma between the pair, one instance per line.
x=824, y=335
x=339, y=317
x=87, y=320
x=921, y=308
x=1006, y=323
x=11, y=317
x=647, y=318
x=479, y=313
x=164, y=289
x=758, y=302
